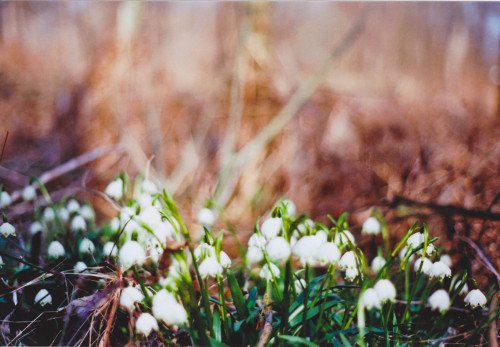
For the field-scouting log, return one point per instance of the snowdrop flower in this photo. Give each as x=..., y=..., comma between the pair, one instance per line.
x=377, y=263
x=300, y=284
x=415, y=240
x=132, y=253
x=306, y=249
x=268, y=275
x=257, y=240
x=342, y=237
x=370, y=299
x=43, y=298
x=86, y=246
x=321, y=236
x=439, y=270
x=348, y=261
x=328, y=254
x=271, y=227
x=109, y=249
x=5, y=199
x=254, y=255
x=371, y=226
x=225, y=261
x=80, y=267
x=464, y=289
x=78, y=224
x=402, y=254
x=206, y=217
x=149, y=187
x=293, y=241
x=440, y=300
x=307, y=224
x=150, y=216
x=290, y=207
x=475, y=298
x=426, y=265
x=29, y=193
x=278, y=249
x=385, y=290
x=145, y=324
x=204, y=250
x=154, y=248
x=446, y=259
x=63, y=214
x=130, y=296
x=87, y=212
x=167, y=309
x=351, y=273
x=165, y=231
x=7, y=229
x=115, y=189
x=73, y=206
x=56, y=250
x=1, y=261
x=48, y=214
x=35, y=227
x=210, y=267
x=115, y=224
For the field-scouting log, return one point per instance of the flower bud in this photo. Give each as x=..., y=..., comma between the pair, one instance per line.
x=29, y=193
x=225, y=261
x=254, y=255
x=115, y=189
x=5, y=199
x=426, y=265
x=166, y=308
x=43, y=298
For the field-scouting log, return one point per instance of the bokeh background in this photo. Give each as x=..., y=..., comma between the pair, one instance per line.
x=406, y=118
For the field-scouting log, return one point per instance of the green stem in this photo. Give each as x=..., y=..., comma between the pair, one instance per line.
x=286, y=298
x=306, y=298
x=143, y=287
x=222, y=299
x=325, y=298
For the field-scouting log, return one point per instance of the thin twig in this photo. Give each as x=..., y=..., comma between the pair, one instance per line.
x=481, y=255
x=266, y=332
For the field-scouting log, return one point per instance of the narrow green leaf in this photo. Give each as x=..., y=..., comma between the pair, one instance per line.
x=215, y=343
x=217, y=324
x=297, y=341
x=238, y=299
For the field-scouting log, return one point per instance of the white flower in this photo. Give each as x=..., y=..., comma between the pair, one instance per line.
x=164, y=231
x=225, y=261
x=440, y=300
x=416, y=240
x=56, y=250
x=145, y=324
x=109, y=249
x=464, y=289
x=154, y=248
x=268, y=275
x=300, y=284
x=132, y=253
x=5, y=199
x=204, y=250
x=256, y=240
x=206, y=217
x=86, y=246
x=150, y=216
x=351, y=273
x=1, y=261
x=43, y=298
x=254, y=255
x=371, y=226
x=328, y=254
x=307, y=224
x=35, y=227
x=370, y=299
x=429, y=250
x=290, y=207
x=48, y=214
x=115, y=189
x=385, y=290
x=475, y=298
x=29, y=193
x=439, y=270
x=342, y=237
x=446, y=259
x=7, y=229
x=426, y=265
x=130, y=296
x=321, y=236
x=87, y=212
x=115, y=224
x=278, y=249
x=377, y=263
x=166, y=308
x=271, y=227
x=149, y=187
x=73, y=206
x=80, y=267
x=78, y=224
x=306, y=249
x=210, y=267
x=403, y=252
x=348, y=261
x=63, y=214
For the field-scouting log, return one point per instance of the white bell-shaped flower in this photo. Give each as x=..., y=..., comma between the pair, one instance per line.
x=385, y=290
x=377, y=263
x=63, y=214
x=78, y=224
x=257, y=240
x=5, y=199
x=403, y=252
x=149, y=187
x=351, y=273
x=43, y=297
x=132, y=253
x=73, y=206
x=290, y=207
x=109, y=249
x=204, y=250
x=225, y=261
x=56, y=250
x=426, y=265
x=86, y=246
x=210, y=267
x=370, y=299
x=371, y=226
x=7, y=229
x=87, y=212
x=155, y=249
x=206, y=217
x=254, y=255
x=328, y=253
x=415, y=240
x=299, y=284
x=271, y=227
x=322, y=236
x=79, y=267
x=342, y=237
x=475, y=298
x=268, y=274
x=167, y=309
x=115, y=224
x=36, y=227
x=145, y=324
x=439, y=270
x=130, y=296
x=48, y=214
x=115, y=189
x=150, y=216
x=446, y=259
x=29, y=193
x=1, y=262
x=306, y=249
x=464, y=289
x=440, y=300
x=278, y=249
x=348, y=261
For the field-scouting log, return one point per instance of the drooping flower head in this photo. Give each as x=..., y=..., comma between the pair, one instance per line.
x=371, y=226
x=370, y=299
x=210, y=267
x=385, y=290
x=132, y=253
x=56, y=250
x=278, y=249
x=43, y=297
x=475, y=298
x=439, y=270
x=206, y=217
x=129, y=296
x=440, y=300
x=115, y=189
x=7, y=229
x=145, y=324
x=271, y=227
x=268, y=274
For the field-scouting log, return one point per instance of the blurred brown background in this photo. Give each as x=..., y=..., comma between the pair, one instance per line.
x=410, y=109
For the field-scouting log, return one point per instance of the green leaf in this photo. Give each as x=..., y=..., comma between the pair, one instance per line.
x=238, y=299
x=208, y=237
x=217, y=324
x=297, y=341
x=215, y=343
